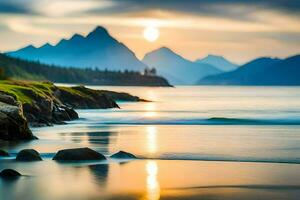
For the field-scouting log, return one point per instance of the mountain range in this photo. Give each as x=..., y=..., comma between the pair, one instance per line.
x=97, y=49
x=14, y=68
x=261, y=71
x=177, y=69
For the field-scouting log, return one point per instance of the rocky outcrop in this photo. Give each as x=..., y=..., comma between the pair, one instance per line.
x=80, y=97
x=9, y=174
x=28, y=155
x=123, y=155
x=44, y=104
x=13, y=125
x=79, y=154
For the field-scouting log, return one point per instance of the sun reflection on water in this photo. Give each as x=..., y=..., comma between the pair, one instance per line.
x=150, y=110
x=153, y=188
x=151, y=139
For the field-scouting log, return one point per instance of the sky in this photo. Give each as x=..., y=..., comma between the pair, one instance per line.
x=239, y=30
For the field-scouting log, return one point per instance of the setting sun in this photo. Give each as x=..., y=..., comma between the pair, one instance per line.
x=151, y=34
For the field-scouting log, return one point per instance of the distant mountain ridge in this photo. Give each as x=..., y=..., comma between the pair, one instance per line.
x=29, y=70
x=177, y=69
x=97, y=49
x=219, y=62
x=261, y=71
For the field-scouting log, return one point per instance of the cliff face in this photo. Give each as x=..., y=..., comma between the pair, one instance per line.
x=13, y=125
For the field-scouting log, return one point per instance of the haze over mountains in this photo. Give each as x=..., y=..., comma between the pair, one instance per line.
x=219, y=62
x=97, y=49
x=177, y=69
x=261, y=71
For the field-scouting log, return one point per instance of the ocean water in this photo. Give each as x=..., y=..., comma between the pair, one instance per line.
x=187, y=123
x=223, y=142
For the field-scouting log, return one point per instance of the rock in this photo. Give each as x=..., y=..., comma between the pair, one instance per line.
x=8, y=99
x=3, y=153
x=123, y=155
x=9, y=174
x=44, y=104
x=79, y=154
x=13, y=125
x=28, y=155
x=64, y=113
x=80, y=97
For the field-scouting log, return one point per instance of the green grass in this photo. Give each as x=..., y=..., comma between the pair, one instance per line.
x=73, y=91
x=26, y=92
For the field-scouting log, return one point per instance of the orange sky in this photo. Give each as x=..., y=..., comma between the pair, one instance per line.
x=190, y=32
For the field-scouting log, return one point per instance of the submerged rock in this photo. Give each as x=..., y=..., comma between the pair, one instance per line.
x=28, y=155
x=123, y=155
x=3, y=153
x=79, y=154
x=9, y=174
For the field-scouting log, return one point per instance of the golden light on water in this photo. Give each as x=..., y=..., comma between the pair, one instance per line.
x=153, y=188
x=151, y=139
x=150, y=110
x=151, y=33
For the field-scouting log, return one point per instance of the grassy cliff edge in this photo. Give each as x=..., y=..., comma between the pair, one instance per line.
x=43, y=103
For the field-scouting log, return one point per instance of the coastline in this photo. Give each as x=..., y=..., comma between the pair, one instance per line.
x=24, y=103
x=184, y=180
x=154, y=179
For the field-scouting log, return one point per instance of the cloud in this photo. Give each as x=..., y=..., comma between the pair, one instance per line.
x=209, y=6
x=15, y=7
x=241, y=9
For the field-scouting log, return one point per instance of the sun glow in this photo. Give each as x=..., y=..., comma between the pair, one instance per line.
x=153, y=188
x=151, y=33
x=151, y=139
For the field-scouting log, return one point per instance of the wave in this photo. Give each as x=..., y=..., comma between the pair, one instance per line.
x=208, y=121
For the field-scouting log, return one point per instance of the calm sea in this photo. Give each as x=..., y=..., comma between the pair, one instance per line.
x=186, y=124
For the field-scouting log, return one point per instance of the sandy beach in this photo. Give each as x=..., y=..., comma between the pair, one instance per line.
x=152, y=180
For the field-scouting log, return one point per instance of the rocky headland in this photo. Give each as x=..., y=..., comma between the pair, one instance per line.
x=44, y=104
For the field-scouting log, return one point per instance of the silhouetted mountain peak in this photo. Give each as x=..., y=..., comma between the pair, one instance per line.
x=76, y=37
x=176, y=68
x=163, y=51
x=99, y=31
x=97, y=49
x=47, y=45
x=262, y=60
x=218, y=61
x=29, y=47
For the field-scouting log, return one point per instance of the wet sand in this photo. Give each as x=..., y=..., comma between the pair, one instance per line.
x=152, y=180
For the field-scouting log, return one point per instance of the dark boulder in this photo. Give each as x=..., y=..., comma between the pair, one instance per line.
x=9, y=174
x=79, y=154
x=123, y=155
x=28, y=155
x=3, y=153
